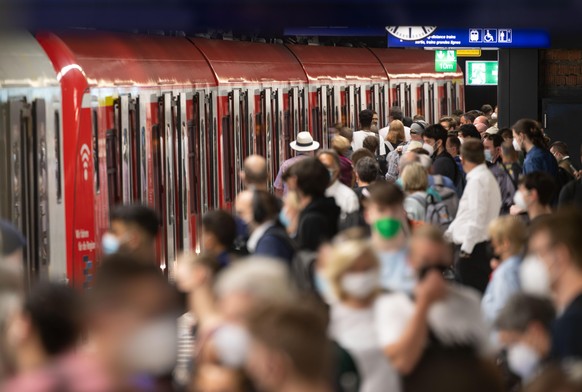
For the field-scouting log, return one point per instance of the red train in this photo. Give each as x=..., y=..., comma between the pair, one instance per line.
x=90, y=120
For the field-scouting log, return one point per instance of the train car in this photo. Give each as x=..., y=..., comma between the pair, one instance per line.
x=341, y=81
x=416, y=88
x=32, y=182
x=103, y=119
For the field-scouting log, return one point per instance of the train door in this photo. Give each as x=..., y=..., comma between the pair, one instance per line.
x=196, y=165
x=267, y=143
x=24, y=198
x=428, y=101
x=321, y=116
x=181, y=153
x=379, y=104
x=454, y=98
x=164, y=180
x=351, y=119
x=446, y=100
x=233, y=146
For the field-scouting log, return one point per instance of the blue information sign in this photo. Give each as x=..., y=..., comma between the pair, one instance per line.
x=477, y=38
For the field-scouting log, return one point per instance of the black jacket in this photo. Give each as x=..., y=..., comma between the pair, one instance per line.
x=317, y=223
x=445, y=165
x=276, y=243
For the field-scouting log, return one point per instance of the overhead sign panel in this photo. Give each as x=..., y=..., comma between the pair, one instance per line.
x=474, y=38
x=481, y=73
x=445, y=61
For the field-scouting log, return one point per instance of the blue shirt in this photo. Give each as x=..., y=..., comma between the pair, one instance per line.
x=503, y=284
x=395, y=272
x=539, y=159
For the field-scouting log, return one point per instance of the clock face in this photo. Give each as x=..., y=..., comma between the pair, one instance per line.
x=411, y=33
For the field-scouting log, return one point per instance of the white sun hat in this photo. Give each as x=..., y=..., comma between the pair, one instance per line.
x=304, y=142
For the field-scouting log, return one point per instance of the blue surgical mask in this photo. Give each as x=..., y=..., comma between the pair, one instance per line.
x=488, y=156
x=284, y=219
x=323, y=288
x=110, y=243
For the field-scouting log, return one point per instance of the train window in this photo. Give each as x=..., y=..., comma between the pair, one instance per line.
x=157, y=174
x=287, y=132
x=228, y=161
x=316, y=124
x=112, y=170
x=245, y=136
x=260, y=135
x=193, y=167
x=96, y=175
x=135, y=150
x=58, y=172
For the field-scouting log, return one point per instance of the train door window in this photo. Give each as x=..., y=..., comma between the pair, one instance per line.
x=193, y=149
x=212, y=152
x=408, y=99
x=58, y=172
x=227, y=162
x=96, y=175
x=421, y=100
x=303, y=113
x=444, y=100
x=431, y=102
x=135, y=150
x=376, y=103
x=39, y=200
x=260, y=134
x=278, y=129
x=266, y=142
x=320, y=117
x=454, y=98
x=121, y=108
x=352, y=121
x=112, y=167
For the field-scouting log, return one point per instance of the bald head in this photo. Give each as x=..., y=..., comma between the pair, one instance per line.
x=482, y=120
x=254, y=173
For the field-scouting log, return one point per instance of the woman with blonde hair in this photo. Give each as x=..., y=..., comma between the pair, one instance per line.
x=415, y=183
x=351, y=270
x=395, y=135
x=508, y=236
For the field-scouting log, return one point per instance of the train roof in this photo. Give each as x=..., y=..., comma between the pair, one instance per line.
x=409, y=63
x=247, y=62
x=338, y=63
x=129, y=59
x=24, y=63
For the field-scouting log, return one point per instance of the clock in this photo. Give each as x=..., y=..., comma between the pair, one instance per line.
x=411, y=33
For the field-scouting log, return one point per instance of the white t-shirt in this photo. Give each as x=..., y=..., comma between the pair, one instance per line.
x=358, y=138
x=454, y=320
x=355, y=330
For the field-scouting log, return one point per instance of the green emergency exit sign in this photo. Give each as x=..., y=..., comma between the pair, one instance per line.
x=481, y=73
x=445, y=60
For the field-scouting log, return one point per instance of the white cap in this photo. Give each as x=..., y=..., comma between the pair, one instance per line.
x=492, y=130
x=304, y=142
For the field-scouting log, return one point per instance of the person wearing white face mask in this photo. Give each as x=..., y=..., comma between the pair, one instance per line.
x=352, y=272
x=556, y=241
x=534, y=195
x=133, y=229
x=523, y=327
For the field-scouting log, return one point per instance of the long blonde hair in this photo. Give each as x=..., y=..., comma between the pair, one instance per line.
x=396, y=132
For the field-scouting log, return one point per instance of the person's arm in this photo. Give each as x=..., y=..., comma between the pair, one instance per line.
x=405, y=353
x=202, y=302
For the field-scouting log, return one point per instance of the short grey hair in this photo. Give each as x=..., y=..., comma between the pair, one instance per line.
x=263, y=278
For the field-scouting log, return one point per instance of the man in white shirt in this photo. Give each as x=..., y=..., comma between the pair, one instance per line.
x=479, y=205
x=366, y=120
x=344, y=196
x=395, y=113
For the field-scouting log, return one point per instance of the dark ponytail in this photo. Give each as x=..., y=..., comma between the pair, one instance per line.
x=532, y=130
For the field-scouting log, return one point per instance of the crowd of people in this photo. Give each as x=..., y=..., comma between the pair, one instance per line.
x=411, y=257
